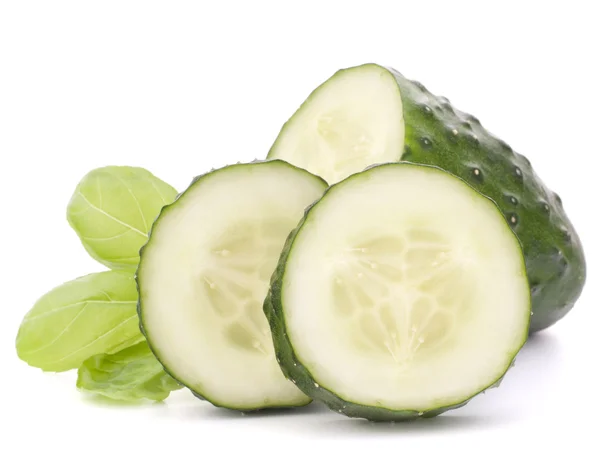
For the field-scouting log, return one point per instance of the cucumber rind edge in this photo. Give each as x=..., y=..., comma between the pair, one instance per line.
x=294, y=369
x=138, y=277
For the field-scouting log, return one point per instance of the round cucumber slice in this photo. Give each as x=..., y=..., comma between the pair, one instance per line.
x=402, y=293
x=205, y=272
x=371, y=114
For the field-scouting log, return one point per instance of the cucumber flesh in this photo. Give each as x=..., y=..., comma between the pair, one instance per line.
x=420, y=127
x=344, y=126
x=413, y=288
x=205, y=272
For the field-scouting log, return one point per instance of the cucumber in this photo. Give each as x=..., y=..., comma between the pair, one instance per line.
x=204, y=274
x=370, y=114
x=402, y=294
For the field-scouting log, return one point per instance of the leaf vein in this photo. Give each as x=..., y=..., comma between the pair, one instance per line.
x=114, y=237
x=96, y=339
x=65, y=307
x=47, y=345
x=112, y=217
x=135, y=199
x=164, y=201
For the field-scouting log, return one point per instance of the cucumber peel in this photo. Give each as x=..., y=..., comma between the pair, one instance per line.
x=203, y=276
x=371, y=114
x=416, y=295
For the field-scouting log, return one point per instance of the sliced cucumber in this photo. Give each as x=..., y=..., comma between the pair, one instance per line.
x=205, y=272
x=344, y=126
x=371, y=114
x=401, y=294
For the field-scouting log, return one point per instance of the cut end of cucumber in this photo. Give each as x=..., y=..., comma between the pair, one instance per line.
x=351, y=121
x=432, y=290
x=204, y=275
x=413, y=287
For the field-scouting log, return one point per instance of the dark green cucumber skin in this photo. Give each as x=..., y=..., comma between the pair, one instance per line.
x=554, y=256
x=296, y=371
x=139, y=277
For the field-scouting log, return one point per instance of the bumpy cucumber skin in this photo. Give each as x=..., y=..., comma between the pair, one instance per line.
x=296, y=371
x=438, y=134
x=198, y=394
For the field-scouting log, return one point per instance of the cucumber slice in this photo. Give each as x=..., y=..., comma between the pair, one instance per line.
x=204, y=274
x=401, y=294
x=376, y=115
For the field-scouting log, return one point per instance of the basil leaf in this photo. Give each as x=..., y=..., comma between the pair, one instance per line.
x=93, y=314
x=130, y=375
x=112, y=211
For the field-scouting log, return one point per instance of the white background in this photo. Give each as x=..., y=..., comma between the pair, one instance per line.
x=179, y=87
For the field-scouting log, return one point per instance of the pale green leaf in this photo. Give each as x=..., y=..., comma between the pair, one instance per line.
x=129, y=375
x=112, y=211
x=90, y=315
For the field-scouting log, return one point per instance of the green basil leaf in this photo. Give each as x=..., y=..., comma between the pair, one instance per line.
x=90, y=315
x=112, y=211
x=130, y=375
